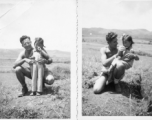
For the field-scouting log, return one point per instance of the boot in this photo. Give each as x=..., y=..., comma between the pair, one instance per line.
x=24, y=91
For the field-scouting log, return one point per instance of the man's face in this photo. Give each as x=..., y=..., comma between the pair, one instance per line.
x=26, y=43
x=113, y=43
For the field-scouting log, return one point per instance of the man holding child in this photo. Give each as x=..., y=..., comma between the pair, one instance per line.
x=111, y=63
x=24, y=57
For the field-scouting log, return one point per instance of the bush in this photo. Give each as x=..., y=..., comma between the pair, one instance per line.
x=61, y=72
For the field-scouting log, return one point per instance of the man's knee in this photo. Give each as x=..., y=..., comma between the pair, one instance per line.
x=99, y=85
x=120, y=67
x=96, y=90
x=18, y=69
x=49, y=79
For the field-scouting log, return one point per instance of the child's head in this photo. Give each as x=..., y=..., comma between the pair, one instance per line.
x=39, y=42
x=127, y=41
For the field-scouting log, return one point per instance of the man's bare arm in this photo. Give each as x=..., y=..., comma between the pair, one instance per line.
x=19, y=61
x=106, y=61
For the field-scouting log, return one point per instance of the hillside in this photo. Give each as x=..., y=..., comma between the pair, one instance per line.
x=101, y=32
x=13, y=53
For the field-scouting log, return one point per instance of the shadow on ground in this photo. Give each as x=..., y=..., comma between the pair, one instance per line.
x=53, y=90
x=132, y=87
x=127, y=89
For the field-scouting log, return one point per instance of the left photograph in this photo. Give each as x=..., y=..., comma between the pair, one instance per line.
x=35, y=61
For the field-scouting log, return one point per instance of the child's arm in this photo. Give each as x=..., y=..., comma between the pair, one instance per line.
x=120, y=54
x=48, y=59
x=43, y=53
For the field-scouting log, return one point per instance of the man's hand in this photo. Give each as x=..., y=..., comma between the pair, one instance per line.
x=29, y=61
x=120, y=51
x=42, y=61
x=121, y=48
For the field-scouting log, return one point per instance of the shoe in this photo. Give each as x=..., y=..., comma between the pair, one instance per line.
x=33, y=93
x=38, y=93
x=24, y=91
x=118, y=88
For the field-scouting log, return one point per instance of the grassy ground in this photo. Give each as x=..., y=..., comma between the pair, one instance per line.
x=54, y=103
x=135, y=98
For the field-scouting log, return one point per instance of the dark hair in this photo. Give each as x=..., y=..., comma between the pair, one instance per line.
x=110, y=36
x=23, y=38
x=127, y=38
x=39, y=40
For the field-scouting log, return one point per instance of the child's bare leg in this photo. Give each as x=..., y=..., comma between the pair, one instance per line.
x=110, y=71
x=113, y=65
x=40, y=78
x=109, y=79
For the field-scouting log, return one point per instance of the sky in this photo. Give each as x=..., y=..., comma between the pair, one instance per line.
x=53, y=20
x=117, y=14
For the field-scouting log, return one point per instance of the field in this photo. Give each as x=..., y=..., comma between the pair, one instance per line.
x=55, y=101
x=136, y=96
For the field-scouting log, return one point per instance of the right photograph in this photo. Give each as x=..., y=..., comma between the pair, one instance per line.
x=116, y=58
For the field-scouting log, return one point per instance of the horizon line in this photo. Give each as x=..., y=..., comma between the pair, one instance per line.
x=119, y=29
x=23, y=49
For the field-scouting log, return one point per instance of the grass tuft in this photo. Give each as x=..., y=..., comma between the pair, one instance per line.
x=11, y=113
x=61, y=72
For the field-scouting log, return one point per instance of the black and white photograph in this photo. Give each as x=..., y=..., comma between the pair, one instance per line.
x=36, y=39
x=116, y=58
x=75, y=59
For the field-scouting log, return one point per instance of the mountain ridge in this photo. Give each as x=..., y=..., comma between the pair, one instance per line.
x=102, y=32
x=13, y=53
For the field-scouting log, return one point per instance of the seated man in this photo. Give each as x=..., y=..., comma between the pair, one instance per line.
x=108, y=54
x=21, y=71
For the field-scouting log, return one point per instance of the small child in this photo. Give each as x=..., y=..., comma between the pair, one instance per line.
x=122, y=57
x=37, y=69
